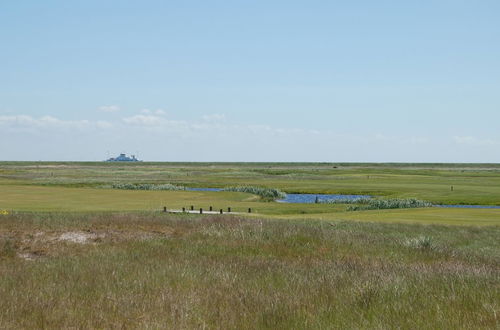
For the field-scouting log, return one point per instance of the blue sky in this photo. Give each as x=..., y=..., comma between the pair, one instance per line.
x=407, y=81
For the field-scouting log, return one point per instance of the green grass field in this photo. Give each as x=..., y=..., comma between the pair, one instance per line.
x=75, y=255
x=75, y=187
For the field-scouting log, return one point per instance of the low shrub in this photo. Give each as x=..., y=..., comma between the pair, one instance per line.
x=394, y=203
x=144, y=186
x=267, y=193
x=360, y=200
x=421, y=243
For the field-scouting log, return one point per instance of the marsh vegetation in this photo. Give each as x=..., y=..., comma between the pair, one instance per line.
x=144, y=186
x=387, y=204
x=269, y=194
x=147, y=270
x=73, y=255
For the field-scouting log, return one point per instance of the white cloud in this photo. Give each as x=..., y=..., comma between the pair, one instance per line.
x=216, y=117
x=474, y=141
x=213, y=138
x=109, y=108
x=32, y=124
x=148, y=120
x=104, y=124
x=159, y=112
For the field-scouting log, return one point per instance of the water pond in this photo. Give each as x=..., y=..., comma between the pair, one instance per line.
x=299, y=198
x=311, y=198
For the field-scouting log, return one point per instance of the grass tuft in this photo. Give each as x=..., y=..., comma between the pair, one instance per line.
x=421, y=243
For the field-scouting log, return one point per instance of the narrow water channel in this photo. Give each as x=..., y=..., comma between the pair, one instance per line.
x=311, y=198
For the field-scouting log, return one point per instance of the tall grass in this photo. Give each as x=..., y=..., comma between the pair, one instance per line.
x=394, y=203
x=421, y=242
x=144, y=186
x=360, y=200
x=217, y=272
x=266, y=193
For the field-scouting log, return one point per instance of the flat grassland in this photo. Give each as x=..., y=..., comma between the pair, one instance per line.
x=42, y=186
x=76, y=255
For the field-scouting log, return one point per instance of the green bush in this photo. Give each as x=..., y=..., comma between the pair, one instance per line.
x=395, y=203
x=360, y=200
x=267, y=193
x=421, y=243
x=145, y=186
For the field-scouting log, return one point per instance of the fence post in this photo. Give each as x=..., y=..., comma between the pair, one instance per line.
x=164, y=209
x=210, y=208
x=229, y=209
x=183, y=210
x=192, y=207
x=249, y=210
x=201, y=211
x=221, y=211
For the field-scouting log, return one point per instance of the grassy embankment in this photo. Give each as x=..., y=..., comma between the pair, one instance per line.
x=140, y=270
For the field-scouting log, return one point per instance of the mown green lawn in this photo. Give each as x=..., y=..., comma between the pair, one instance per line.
x=449, y=216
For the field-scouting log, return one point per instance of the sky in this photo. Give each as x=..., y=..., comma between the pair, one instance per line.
x=319, y=81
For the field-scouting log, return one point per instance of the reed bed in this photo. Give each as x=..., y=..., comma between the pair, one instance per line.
x=394, y=203
x=266, y=193
x=144, y=186
x=361, y=200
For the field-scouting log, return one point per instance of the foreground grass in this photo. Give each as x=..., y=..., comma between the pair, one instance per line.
x=143, y=270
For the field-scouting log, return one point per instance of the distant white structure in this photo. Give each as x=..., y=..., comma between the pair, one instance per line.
x=123, y=158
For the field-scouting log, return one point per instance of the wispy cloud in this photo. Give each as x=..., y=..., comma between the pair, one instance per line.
x=215, y=137
x=216, y=117
x=474, y=141
x=146, y=120
x=159, y=112
x=25, y=121
x=109, y=108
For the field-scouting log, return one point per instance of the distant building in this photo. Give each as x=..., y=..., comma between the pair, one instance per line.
x=123, y=158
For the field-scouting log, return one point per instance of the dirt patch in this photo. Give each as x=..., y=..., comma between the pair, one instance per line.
x=78, y=237
x=32, y=245
x=28, y=256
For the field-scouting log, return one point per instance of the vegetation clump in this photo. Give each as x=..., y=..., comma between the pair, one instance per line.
x=421, y=243
x=394, y=203
x=145, y=186
x=360, y=200
x=266, y=193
